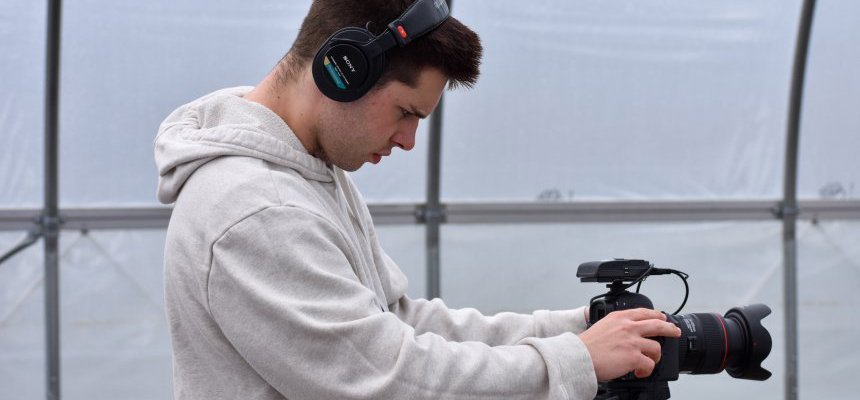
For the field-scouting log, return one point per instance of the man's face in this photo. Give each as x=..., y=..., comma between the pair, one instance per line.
x=350, y=134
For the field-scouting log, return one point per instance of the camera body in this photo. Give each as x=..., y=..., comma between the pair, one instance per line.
x=709, y=343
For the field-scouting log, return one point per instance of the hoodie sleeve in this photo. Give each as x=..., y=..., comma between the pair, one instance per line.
x=469, y=324
x=282, y=290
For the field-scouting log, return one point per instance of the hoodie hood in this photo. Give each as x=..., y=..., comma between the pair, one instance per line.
x=224, y=124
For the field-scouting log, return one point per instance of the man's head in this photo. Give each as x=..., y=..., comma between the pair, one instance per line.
x=452, y=48
x=349, y=134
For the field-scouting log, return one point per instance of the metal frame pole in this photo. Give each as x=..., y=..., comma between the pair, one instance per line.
x=50, y=218
x=433, y=213
x=790, y=206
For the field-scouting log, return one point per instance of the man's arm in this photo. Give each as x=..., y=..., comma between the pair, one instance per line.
x=470, y=325
x=283, y=292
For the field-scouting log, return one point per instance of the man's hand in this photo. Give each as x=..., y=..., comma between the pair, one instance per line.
x=618, y=342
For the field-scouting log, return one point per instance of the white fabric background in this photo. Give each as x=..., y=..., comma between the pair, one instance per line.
x=830, y=128
x=527, y=267
x=113, y=332
x=829, y=320
x=22, y=87
x=22, y=314
x=617, y=100
x=579, y=100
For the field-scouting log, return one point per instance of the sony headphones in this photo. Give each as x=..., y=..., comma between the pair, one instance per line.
x=351, y=61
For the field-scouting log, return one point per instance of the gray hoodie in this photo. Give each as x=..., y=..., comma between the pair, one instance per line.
x=276, y=285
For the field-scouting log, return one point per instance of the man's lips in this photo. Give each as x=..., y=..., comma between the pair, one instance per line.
x=377, y=157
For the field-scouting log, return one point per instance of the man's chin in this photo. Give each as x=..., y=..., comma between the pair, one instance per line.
x=350, y=168
x=347, y=166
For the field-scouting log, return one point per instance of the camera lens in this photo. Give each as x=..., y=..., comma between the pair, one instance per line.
x=736, y=342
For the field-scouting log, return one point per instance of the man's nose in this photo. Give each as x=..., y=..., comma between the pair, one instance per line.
x=405, y=138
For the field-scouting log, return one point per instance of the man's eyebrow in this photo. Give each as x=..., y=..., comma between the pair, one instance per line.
x=414, y=110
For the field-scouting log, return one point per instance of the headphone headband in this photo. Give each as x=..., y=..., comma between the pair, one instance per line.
x=422, y=17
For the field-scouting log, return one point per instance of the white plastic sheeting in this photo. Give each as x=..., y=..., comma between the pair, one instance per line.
x=22, y=87
x=830, y=128
x=22, y=341
x=829, y=318
x=593, y=99
x=114, y=338
x=405, y=244
x=127, y=64
x=528, y=267
x=615, y=100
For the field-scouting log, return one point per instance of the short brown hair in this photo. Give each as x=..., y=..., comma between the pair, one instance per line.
x=452, y=48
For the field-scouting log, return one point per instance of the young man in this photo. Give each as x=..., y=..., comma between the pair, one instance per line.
x=276, y=285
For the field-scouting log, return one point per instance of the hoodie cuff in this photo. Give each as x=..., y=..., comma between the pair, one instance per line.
x=554, y=323
x=569, y=366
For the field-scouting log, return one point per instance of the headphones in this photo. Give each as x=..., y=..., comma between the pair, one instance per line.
x=351, y=61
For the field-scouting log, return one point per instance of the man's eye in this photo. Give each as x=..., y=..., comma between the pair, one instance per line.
x=405, y=112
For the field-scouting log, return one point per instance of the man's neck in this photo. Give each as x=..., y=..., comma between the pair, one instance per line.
x=294, y=101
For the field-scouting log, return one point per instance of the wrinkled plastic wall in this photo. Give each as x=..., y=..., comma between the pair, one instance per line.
x=830, y=129
x=619, y=100
x=730, y=264
x=579, y=100
x=22, y=87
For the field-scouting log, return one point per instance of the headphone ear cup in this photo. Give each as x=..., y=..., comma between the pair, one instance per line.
x=341, y=69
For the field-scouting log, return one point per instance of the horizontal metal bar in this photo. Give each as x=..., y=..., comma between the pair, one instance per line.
x=626, y=211
x=395, y=214
x=482, y=213
x=828, y=209
x=645, y=211
x=91, y=218
x=19, y=219
x=158, y=217
x=116, y=218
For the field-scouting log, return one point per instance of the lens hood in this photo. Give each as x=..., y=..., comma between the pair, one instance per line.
x=758, y=342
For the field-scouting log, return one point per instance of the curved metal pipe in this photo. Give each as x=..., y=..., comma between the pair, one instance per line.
x=789, y=209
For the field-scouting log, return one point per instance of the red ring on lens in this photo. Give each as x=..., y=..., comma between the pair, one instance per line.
x=725, y=341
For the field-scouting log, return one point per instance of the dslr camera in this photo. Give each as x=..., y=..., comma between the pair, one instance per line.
x=709, y=343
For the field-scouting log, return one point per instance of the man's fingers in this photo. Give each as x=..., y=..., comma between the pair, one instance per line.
x=651, y=349
x=619, y=342
x=652, y=328
x=641, y=314
x=644, y=367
